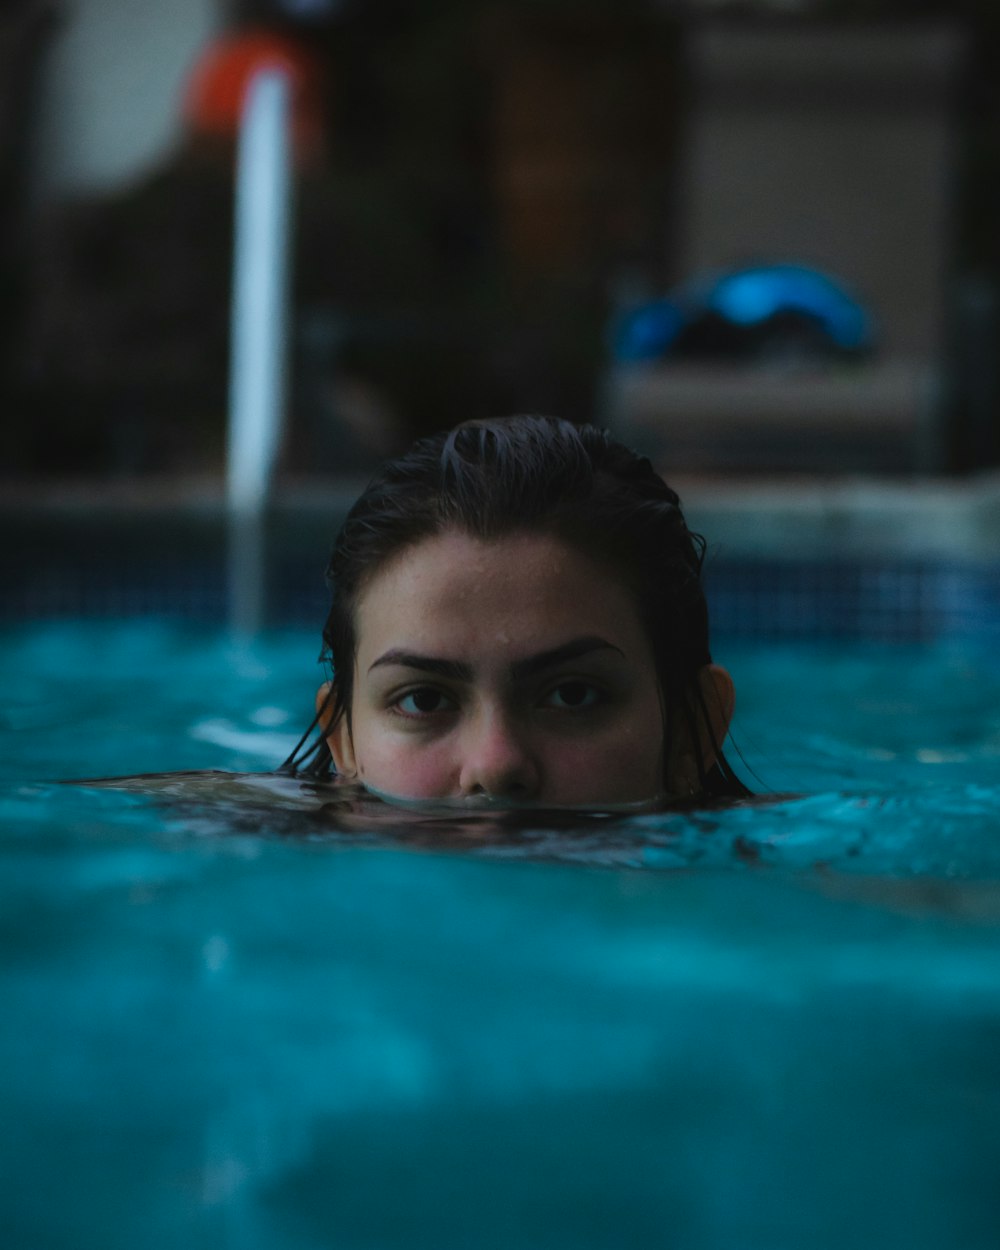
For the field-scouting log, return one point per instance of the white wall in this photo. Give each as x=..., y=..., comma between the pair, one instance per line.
x=111, y=89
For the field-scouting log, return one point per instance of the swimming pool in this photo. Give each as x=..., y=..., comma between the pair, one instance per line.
x=770, y=1027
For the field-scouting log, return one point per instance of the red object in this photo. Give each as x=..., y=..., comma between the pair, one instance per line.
x=214, y=92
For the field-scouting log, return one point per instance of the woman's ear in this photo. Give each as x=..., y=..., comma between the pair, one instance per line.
x=336, y=731
x=718, y=697
x=712, y=712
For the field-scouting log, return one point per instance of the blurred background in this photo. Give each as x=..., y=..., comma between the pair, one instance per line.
x=752, y=237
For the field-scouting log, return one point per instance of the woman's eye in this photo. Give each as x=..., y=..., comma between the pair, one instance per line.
x=572, y=696
x=424, y=701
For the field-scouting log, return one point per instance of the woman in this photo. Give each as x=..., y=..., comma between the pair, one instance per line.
x=518, y=617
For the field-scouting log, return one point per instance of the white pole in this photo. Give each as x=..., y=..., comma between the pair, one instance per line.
x=259, y=329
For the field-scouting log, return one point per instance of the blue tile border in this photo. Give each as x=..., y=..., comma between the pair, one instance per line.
x=174, y=566
x=906, y=601
x=749, y=598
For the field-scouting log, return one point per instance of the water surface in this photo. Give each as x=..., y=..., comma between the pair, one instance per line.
x=229, y=1021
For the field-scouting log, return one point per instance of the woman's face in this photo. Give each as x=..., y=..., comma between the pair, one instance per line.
x=515, y=669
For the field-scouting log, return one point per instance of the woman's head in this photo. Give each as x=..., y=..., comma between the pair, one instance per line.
x=543, y=592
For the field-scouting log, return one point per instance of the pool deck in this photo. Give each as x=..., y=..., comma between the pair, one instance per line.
x=787, y=516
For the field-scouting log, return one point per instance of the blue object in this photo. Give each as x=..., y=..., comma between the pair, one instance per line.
x=744, y=312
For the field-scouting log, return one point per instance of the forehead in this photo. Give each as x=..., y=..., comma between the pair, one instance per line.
x=453, y=591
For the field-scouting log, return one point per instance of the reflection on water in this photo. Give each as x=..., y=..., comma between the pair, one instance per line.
x=272, y=805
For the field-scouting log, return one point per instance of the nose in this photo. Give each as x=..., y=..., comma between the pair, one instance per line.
x=497, y=761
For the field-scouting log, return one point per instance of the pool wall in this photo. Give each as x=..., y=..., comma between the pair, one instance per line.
x=809, y=558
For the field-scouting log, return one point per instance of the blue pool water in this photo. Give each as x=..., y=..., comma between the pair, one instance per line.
x=225, y=1024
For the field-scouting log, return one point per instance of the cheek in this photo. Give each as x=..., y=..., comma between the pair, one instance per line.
x=623, y=768
x=634, y=754
x=402, y=768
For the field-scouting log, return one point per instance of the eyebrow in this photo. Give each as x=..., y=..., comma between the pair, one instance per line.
x=530, y=666
x=454, y=669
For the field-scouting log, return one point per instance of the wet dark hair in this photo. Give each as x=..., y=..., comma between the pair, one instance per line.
x=492, y=478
